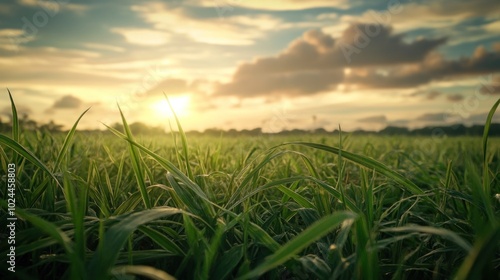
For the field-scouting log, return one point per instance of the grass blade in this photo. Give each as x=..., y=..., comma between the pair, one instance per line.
x=487, y=126
x=142, y=270
x=162, y=240
x=480, y=256
x=444, y=233
x=15, y=120
x=302, y=201
x=56, y=234
x=369, y=163
x=183, y=140
x=300, y=242
x=486, y=174
x=67, y=142
x=116, y=236
x=136, y=164
x=169, y=166
x=26, y=154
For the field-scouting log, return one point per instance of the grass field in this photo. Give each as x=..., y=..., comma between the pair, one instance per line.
x=117, y=205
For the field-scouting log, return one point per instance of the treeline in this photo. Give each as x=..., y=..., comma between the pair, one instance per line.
x=139, y=128
x=28, y=124
x=453, y=130
x=437, y=131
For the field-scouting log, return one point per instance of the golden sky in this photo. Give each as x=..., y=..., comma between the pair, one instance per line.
x=244, y=64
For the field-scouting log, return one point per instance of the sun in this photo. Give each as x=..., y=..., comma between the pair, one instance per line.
x=180, y=105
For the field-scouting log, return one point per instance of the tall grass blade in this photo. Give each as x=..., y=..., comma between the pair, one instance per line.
x=136, y=163
x=487, y=126
x=444, y=233
x=15, y=146
x=67, y=142
x=76, y=206
x=77, y=271
x=116, y=236
x=16, y=133
x=261, y=236
x=480, y=256
x=227, y=262
x=142, y=270
x=369, y=163
x=169, y=166
x=486, y=173
x=302, y=201
x=162, y=240
x=183, y=139
x=15, y=119
x=300, y=242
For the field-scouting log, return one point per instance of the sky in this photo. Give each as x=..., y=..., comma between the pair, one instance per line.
x=245, y=64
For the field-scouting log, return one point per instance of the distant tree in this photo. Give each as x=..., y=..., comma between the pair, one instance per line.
x=213, y=131
x=51, y=127
x=139, y=128
x=395, y=130
x=117, y=126
x=320, y=131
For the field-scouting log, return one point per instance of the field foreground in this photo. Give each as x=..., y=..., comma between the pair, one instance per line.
x=122, y=206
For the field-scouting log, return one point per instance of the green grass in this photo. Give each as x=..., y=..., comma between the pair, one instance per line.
x=125, y=206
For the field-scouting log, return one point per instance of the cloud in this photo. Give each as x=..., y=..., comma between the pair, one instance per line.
x=237, y=30
x=365, y=44
x=433, y=94
x=373, y=119
x=434, y=67
x=142, y=36
x=225, y=7
x=429, y=95
x=432, y=117
x=54, y=6
x=316, y=62
x=455, y=97
x=493, y=87
x=481, y=118
x=21, y=111
x=437, y=15
x=282, y=84
x=399, y=122
x=67, y=102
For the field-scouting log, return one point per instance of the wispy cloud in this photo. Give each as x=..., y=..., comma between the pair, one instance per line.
x=374, y=119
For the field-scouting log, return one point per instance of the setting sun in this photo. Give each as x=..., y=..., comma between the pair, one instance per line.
x=180, y=105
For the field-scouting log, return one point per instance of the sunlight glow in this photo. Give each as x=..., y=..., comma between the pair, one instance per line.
x=180, y=105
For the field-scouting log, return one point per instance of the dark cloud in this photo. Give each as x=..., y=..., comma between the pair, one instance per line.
x=431, y=95
x=434, y=67
x=432, y=117
x=300, y=69
x=374, y=44
x=399, y=122
x=481, y=118
x=290, y=84
x=373, y=119
x=67, y=102
x=493, y=87
x=455, y=97
x=375, y=57
x=21, y=111
x=315, y=62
